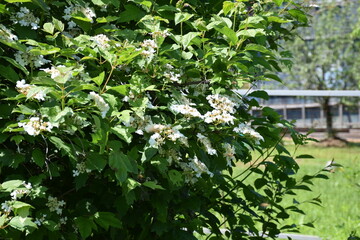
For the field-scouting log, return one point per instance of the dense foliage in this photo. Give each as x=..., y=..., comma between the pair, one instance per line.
x=120, y=119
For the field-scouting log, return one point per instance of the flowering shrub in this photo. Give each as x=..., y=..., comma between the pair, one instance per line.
x=120, y=119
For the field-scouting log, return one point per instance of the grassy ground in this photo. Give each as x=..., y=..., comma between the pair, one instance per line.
x=340, y=195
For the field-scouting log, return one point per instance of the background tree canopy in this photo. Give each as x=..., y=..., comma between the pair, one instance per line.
x=120, y=119
x=324, y=53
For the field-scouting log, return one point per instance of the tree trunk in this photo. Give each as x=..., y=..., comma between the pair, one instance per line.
x=330, y=133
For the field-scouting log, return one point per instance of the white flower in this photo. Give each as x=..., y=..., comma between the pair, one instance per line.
x=6, y=35
x=53, y=71
x=218, y=116
x=156, y=34
x=206, y=142
x=229, y=153
x=186, y=110
x=101, y=40
x=155, y=139
x=221, y=103
x=149, y=43
x=247, y=130
x=26, y=18
x=100, y=103
x=18, y=193
x=6, y=207
x=40, y=221
x=86, y=11
x=24, y=88
x=27, y=185
x=54, y=205
x=28, y=58
x=63, y=220
x=80, y=168
x=194, y=169
x=35, y=126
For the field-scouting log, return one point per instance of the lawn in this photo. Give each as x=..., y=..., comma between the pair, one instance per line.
x=340, y=195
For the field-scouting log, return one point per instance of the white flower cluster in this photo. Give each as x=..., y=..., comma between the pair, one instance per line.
x=223, y=106
x=207, y=144
x=149, y=47
x=35, y=126
x=194, y=169
x=54, y=205
x=186, y=110
x=101, y=40
x=80, y=168
x=40, y=221
x=70, y=10
x=100, y=103
x=24, y=88
x=229, y=153
x=6, y=206
x=160, y=33
x=221, y=103
x=27, y=58
x=19, y=193
x=26, y=18
x=6, y=35
x=163, y=132
x=171, y=75
x=247, y=130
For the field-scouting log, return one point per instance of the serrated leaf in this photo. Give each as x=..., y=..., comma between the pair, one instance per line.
x=106, y=219
x=278, y=2
x=257, y=47
x=152, y=185
x=259, y=94
x=182, y=17
x=227, y=7
x=12, y=184
x=49, y=28
x=117, y=163
x=229, y=33
x=99, y=79
x=187, y=38
x=22, y=223
x=251, y=32
x=122, y=132
x=58, y=24
x=38, y=157
x=85, y=226
x=16, y=64
x=61, y=145
x=298, y=15
x=131, y=13
x=122, y=89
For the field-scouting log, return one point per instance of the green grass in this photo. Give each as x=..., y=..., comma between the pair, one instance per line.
x=340, y=195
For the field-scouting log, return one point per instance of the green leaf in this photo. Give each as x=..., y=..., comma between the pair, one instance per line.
x=49, y=28
x=117, y=161
x=227, y=7
x=17, y=139
x=278, y=2
x=12, y=184
x=41, y=4
x=58, y=24
x=175, y=177
x=122, y=132
x=38, y=157
x=21, y=209
x=96, y=161
x=99, y=79
x=251, y=32
x=85, y=226
x=131, y=13
x=3, y=219
x=187, y=38
x=273, y=76
x=258, y=48
x=259, y=94
x=8, y=73
x=106, y=219
x=60, y=144
x=22, y=223
x=16, y=64
x=298, y=15
x=152, y=185
x=229, y=33
x=182, y=17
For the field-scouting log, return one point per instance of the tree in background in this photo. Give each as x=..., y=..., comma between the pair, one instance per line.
x=325, y=53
